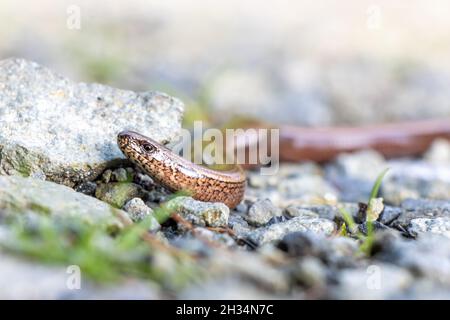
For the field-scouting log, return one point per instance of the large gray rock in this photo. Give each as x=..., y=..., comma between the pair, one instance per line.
x=20, y=195
x=64, y=131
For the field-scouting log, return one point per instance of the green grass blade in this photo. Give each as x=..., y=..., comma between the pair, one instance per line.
x=348, y=219
x=377, y=185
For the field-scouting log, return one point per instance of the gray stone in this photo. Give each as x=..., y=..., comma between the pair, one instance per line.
x=278, y=231
x=27, y=195
x=121, y=175
x=67, y=130
x=192, y=245
x=106, y=176
x=277, y=219
x=242, y=207
x=421, y=208
x=338, y=252
x=414, y=179
x=251, y=195
x=144, y=180
x=298, y=211
x=330, y=212
x=238, y=224
x=310, y=272
x=375, y=225
x=220, y=238
x=138, y=210
x=212, y=214
x=440, y=225
x=88, y=188
x=118, y=193
x=389, y=214
x=292, y=184
x=261, y=212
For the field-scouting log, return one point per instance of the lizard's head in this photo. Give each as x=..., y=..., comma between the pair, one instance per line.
x=132, y=143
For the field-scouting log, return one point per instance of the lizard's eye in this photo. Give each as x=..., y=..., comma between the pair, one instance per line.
x=148, y=147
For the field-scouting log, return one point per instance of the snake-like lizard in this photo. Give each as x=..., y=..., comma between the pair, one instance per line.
x=178, y=174
x=296, y=144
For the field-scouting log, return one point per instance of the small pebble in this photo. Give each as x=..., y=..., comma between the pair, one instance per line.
x=279, y=230
x=261, y=212
x=120, y=175
x=88, y=188
x=212, y=214
x=106, y=176
x=138, y=211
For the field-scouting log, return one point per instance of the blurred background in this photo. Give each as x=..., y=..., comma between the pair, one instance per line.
x=296, y=62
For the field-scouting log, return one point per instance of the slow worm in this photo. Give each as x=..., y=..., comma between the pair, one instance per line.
x=296, y=144
x=176, y=173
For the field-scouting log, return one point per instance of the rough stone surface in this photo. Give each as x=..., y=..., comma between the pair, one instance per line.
x=20, y=195
x=389, y=214
x=121, y=175
x=421, y=208
x=338, y=252
x=310, y=272
x=138, y=210
x=278, y=231
x=298, y=211
x=118, y=193
x=238, y=224
x=212, y=214
x=66, y=131
x=261, y=212
x=88, y=188
x=439, y=225
x=408, y=179
x=221, y=238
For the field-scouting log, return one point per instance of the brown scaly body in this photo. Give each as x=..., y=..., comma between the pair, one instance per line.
x=176, y=173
